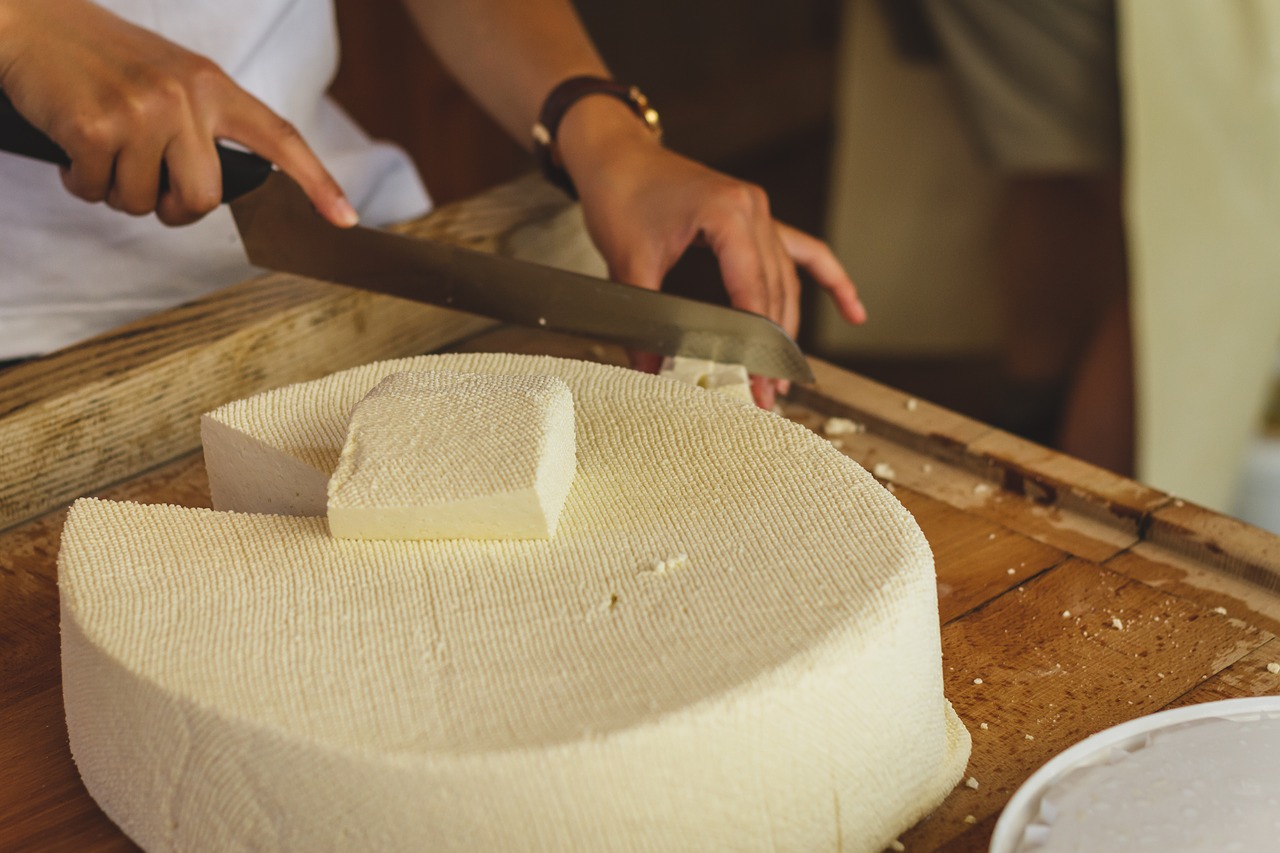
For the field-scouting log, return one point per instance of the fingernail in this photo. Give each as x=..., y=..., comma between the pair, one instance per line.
x=345, y=214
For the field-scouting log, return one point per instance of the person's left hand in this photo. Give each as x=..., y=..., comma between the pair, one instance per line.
x=645, y=205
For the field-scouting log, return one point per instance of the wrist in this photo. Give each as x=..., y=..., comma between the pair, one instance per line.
x=595, y=131
x=589, y=123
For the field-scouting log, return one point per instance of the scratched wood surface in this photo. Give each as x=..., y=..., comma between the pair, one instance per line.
x=1070, y=599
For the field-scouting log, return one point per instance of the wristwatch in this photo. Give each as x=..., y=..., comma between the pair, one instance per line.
x=566, y=94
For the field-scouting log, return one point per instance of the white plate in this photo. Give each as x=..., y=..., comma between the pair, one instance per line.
x=1024, y=806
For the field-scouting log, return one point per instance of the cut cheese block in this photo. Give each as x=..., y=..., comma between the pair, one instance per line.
x=732, y=642
x=728, y=379
x=446, y=455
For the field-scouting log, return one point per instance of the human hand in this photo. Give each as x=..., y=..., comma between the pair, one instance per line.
x=645, y=205
x=122, y=101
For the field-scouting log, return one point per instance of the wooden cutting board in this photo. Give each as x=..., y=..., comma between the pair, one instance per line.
x=1070, y=599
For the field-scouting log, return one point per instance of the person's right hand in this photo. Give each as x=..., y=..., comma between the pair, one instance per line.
x=121, y=101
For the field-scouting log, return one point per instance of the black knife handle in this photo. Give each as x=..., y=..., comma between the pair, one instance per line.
x=241, y=170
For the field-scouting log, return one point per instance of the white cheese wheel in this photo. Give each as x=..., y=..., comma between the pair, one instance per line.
x=248, y=681
x=446, y=455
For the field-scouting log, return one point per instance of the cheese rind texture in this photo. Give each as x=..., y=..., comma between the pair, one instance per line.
x=241, y=680
x=444, y=455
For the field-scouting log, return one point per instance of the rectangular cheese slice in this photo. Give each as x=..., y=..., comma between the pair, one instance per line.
x=443, y=455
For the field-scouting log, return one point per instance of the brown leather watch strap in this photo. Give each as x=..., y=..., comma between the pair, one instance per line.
x=566, y=94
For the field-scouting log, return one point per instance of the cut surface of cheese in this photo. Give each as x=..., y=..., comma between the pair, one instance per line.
x=446, y=455
x=732, y=642
x=728, y=379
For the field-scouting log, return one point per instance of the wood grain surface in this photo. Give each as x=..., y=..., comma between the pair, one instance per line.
x=1070, y=599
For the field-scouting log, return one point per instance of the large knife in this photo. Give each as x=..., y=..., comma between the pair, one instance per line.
x=282, y=231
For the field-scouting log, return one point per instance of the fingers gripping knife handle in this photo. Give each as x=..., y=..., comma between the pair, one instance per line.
x=241, y=170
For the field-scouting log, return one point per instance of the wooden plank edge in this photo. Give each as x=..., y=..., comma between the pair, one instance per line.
x=1228, y=544
x=1046, y=477
x=1013, y=464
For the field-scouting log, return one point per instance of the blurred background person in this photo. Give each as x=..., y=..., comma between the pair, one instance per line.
x=1002, y=197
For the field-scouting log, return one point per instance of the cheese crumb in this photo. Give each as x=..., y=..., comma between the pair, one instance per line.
x=970, y=819
x=884, y=471
x=661, y=567
x=971, y=783
x=1117, y=624
x=1008, y=571
x=977, y=681
x=982, y=489
x=982, y=726
x=1221, y=611
x=1029, y=737
x=1273, y=668
x=841, y=426
x=912, y=404
x=1066, y=614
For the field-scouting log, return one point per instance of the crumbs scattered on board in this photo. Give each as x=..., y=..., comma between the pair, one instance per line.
x=841, y=426
x=1273, y=668
x=884, y=471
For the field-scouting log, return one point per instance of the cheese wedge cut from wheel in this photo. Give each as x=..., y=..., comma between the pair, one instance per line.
x=445, y=455
x=732, y=642
x=728, y=379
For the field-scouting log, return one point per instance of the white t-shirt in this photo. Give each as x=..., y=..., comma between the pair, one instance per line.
x=69, y=269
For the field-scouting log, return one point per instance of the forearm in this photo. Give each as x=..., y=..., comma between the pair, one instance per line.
x=508, y=53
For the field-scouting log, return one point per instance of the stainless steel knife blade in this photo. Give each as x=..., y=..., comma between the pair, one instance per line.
x=282, y=231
